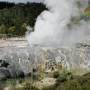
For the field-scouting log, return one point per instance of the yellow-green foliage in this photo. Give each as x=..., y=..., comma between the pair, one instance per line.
x=65, y=81
x=2, y=29
x=75, y=83
x=87, y=12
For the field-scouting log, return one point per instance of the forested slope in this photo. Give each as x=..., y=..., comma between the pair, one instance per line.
x=15, y=17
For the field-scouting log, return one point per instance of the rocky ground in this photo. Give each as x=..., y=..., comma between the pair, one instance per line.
x=9, y=60
x=16, y=42
x=17, y=59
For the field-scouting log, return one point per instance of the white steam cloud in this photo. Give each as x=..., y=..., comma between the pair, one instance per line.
x=61, y=25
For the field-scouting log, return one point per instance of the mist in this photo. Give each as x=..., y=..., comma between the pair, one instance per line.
x=60, y=25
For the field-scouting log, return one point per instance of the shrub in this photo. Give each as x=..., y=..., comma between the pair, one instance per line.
x=61, y=78
x=67, y=81
x=56, y=74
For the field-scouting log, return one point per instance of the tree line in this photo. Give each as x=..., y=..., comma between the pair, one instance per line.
x=15, y=17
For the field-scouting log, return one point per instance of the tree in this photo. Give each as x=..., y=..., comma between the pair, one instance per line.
x=15, y=17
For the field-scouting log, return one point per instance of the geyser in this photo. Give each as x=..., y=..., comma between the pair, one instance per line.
x=61, y=24
x=55, y=29
x=62, y=31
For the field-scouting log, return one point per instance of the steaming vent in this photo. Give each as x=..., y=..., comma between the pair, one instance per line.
x=63, y=32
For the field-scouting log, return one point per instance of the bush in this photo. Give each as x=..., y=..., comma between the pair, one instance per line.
x=56, y=74
x=61, y=78
x=71, y=83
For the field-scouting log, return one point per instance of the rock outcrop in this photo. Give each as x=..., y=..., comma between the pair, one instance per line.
x=9, y=71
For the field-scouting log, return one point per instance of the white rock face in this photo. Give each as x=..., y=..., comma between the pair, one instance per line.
x=76, y=58
x=22, y=58
x=26, y=58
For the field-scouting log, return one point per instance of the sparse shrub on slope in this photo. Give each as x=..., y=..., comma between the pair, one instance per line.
x=75, y=83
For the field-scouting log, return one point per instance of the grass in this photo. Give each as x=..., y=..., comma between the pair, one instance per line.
x=73, y=83
x=65, y=81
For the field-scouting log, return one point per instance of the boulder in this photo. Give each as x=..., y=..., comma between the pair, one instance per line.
x=4, y=73
x=15, y=73
x=3, y=63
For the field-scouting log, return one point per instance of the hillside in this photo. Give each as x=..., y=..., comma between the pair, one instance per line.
x=15, y=17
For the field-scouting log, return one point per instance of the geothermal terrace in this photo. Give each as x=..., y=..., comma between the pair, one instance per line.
x=15, y=42
x=16, y=52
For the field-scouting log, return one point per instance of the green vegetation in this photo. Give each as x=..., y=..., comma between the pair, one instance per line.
x=71, y=83
x=87, y=11
x=15, y=17
x=64, y=81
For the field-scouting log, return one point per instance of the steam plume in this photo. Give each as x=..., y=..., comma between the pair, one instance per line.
x=61, y=25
